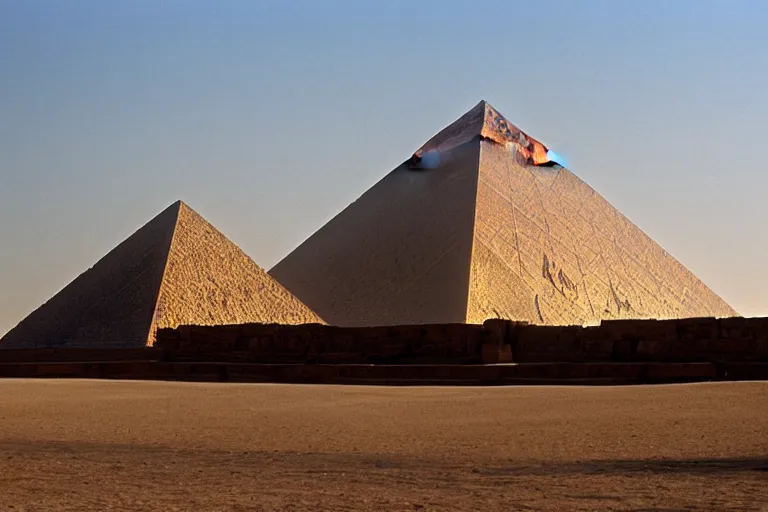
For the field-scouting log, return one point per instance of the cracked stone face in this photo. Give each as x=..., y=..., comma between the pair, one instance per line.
x=549, y=249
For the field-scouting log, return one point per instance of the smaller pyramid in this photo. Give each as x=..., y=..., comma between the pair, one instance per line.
x=177, y=269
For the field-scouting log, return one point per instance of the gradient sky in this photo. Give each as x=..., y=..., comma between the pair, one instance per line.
x=270, y=117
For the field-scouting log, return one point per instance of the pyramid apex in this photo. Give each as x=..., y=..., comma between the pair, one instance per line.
x=485, y=122
x=179, y=205
x=484, y=106
x=174, y=206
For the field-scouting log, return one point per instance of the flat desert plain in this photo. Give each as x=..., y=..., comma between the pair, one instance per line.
x=76, y=445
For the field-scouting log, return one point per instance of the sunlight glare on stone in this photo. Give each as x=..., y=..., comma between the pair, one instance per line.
x=554, y=157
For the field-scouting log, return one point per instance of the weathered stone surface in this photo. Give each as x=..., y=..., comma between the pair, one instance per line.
x=208, y=280
x=550, y=250
x=479, y=224
x=485, y=121
x=177, y=269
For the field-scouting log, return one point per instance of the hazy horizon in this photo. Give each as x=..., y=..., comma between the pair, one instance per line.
x=269, y=118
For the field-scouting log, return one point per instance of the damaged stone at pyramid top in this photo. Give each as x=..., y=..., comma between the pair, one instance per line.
x=485, y=122
x=176, y=269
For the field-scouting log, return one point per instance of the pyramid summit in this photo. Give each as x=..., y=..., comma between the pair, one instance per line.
x=480, y=223
x=485, y=122
x=176, y=269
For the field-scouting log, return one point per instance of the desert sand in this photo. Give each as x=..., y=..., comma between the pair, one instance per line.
x=155, y=446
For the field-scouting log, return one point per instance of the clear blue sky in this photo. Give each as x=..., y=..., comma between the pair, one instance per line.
x=270, y=117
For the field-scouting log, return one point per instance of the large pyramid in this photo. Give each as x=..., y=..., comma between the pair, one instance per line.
x=177, y=269
x=479, y=223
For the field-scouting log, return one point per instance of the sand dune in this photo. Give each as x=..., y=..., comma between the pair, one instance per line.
x=104, y=445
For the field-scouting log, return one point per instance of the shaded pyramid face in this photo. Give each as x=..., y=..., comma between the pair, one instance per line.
x=177, y=269
x=477, y=224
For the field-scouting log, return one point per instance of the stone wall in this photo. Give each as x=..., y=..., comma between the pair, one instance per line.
x=409, y=374
x=316, y=343
x=684, y=340
x=617, y=352
x=496, y=341
x=696, y=340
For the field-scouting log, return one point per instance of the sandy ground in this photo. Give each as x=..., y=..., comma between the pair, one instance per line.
x=106, y=445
